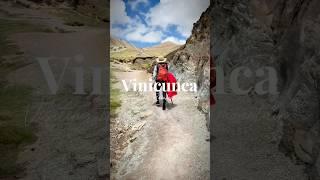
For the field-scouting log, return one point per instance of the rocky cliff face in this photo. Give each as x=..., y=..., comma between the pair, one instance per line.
x=284, y=35
x=190, y=63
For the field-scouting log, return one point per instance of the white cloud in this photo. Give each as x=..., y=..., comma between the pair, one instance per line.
x=134, y=3
x=118, y=12
x=174, y=40
x=182, y=13
x=141, y=33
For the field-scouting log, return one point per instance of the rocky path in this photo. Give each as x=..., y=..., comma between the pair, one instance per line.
x=170, y=144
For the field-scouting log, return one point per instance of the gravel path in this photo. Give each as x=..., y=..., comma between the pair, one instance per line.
x=170, y=144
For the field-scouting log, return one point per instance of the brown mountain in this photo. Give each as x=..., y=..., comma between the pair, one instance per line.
x=121, y=49
x=162, y=49
x=120, y=43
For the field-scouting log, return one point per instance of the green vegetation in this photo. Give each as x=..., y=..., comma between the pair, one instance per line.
x=126, y=55
x=147, y=66
x=115, y=101
x=14, y=132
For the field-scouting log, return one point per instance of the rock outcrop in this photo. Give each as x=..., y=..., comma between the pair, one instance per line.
x=284, y=35
x=191, y=62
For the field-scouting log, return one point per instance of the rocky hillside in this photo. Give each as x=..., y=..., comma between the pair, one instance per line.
x=190, y=63
x=88, y=8
x=283, y=34
x=117, y=45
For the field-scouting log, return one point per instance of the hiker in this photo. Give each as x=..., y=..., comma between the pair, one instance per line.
x=160, y=78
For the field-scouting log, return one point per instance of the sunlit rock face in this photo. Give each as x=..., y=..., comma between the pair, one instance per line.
x=190, y=63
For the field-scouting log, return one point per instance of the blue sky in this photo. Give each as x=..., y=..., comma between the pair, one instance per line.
x=146, y=23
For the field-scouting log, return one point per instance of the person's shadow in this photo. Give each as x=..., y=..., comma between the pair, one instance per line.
x=170, y=105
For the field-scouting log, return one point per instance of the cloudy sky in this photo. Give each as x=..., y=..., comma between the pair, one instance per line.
x=149, y=22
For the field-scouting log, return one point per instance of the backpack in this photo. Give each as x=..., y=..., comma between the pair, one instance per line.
x=162, y=72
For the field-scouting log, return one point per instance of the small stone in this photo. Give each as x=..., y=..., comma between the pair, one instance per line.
x=138, y=126
x=145, y=114
x=133, y=139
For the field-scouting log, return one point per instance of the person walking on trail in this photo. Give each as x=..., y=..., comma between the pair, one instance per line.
x=160, y=78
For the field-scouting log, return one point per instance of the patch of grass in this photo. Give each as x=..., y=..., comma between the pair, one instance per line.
x=125, y=55
x=147, y=66
x=115, y=101
x=14, y=133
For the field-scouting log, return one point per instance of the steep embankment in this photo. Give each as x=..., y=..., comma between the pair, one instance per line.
x=282, y=35
x=70, y=130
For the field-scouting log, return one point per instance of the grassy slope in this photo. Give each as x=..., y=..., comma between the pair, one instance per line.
x=129, y=54
x=14, y=134
x=14, y=99
x=162, y=49
x=126, y=55
x=115, y=101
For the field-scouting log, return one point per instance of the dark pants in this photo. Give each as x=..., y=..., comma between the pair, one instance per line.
x=159, y=85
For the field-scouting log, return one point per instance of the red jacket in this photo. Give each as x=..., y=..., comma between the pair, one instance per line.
x=171, y=80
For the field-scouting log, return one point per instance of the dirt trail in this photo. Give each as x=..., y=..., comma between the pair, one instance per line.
x=170, y=144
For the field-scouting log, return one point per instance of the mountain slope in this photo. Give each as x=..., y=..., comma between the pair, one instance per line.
x=162, y=49
x=123, y=50
x=114, y=42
